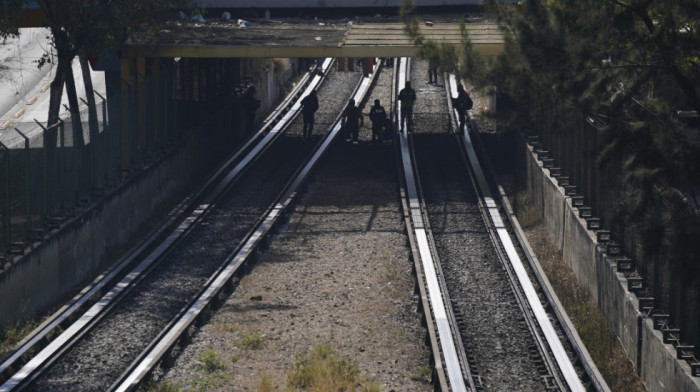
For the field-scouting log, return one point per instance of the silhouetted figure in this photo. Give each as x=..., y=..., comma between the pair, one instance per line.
x=387, y=129
x=352, y=121
x=378, y=116
x=432, y=70
x=462, y=103
x=250, y=106
x=407, y=96
x=309, y=106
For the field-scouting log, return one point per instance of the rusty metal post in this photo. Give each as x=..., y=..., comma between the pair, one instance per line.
x=27, y=184
x=141, y=87
x=125, y=164
x=6, y=222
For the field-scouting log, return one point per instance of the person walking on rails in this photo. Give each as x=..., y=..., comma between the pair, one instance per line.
x=462, y=103
x=309, y=106
x=378, y=116
x=352, y=121
x=407, y=96
x=433, y=70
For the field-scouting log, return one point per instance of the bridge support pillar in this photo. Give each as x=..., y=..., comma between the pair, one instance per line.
x=367, y=64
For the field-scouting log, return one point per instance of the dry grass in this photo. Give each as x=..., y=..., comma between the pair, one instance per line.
x=321, y=370
x=601, y=342
x=10, y=336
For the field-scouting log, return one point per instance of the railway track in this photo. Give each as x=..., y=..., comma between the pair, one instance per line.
x=486, y=325
x=94, y=351
x=499, y=337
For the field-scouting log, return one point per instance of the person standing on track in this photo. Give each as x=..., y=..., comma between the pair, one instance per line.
x=378, y=116
x=352, y=121
x=309, y=106
x=462, y=103
x=250, y=105
x=433, y=70
x=407, y=96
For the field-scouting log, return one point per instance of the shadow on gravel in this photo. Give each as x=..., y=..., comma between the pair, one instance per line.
x=256, y=305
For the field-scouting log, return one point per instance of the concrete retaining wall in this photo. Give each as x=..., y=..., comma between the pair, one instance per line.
x=52, y=269
x=595, y=270
x=74, y=252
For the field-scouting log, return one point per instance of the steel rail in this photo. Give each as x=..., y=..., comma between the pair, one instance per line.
x=531, y=324
x=440, y=314
x=459, y=344
x=79, y=302
x=205, y=205
x=552, y=338
x=439, y=378
x=568, y=328
x=133, y=377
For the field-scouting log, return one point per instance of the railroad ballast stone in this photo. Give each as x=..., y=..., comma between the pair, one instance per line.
x=107, y=350
x=339, y=273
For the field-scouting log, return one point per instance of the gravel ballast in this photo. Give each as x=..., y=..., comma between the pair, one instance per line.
x=338, y=273
x=97, y=360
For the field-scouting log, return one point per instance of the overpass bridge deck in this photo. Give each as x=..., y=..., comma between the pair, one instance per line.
x=366, y=37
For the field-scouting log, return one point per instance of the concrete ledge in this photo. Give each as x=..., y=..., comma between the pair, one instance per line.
x=579, y=245
x=655, y=361
x=663, y=372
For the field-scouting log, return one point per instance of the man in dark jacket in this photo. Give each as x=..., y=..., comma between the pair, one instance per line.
x=407, y=96
x=309, y=106
x=462, y=103
x=352, y=121
x=378, y=116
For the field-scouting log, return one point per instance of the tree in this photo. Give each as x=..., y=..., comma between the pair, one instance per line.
x=91, y=26
x=632, y=64
x=10, y=11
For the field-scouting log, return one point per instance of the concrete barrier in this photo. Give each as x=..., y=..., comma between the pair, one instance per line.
x=73, y=253
x=595, y=270
x=69, y=256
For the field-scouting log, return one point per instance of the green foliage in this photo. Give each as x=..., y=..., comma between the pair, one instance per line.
x=631, y=65
x=10, y=11
x=210, y=361
x=423, y=373
x=254, y=341
x=10, y=336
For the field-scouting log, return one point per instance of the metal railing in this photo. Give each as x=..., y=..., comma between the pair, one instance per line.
x=49, y=173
